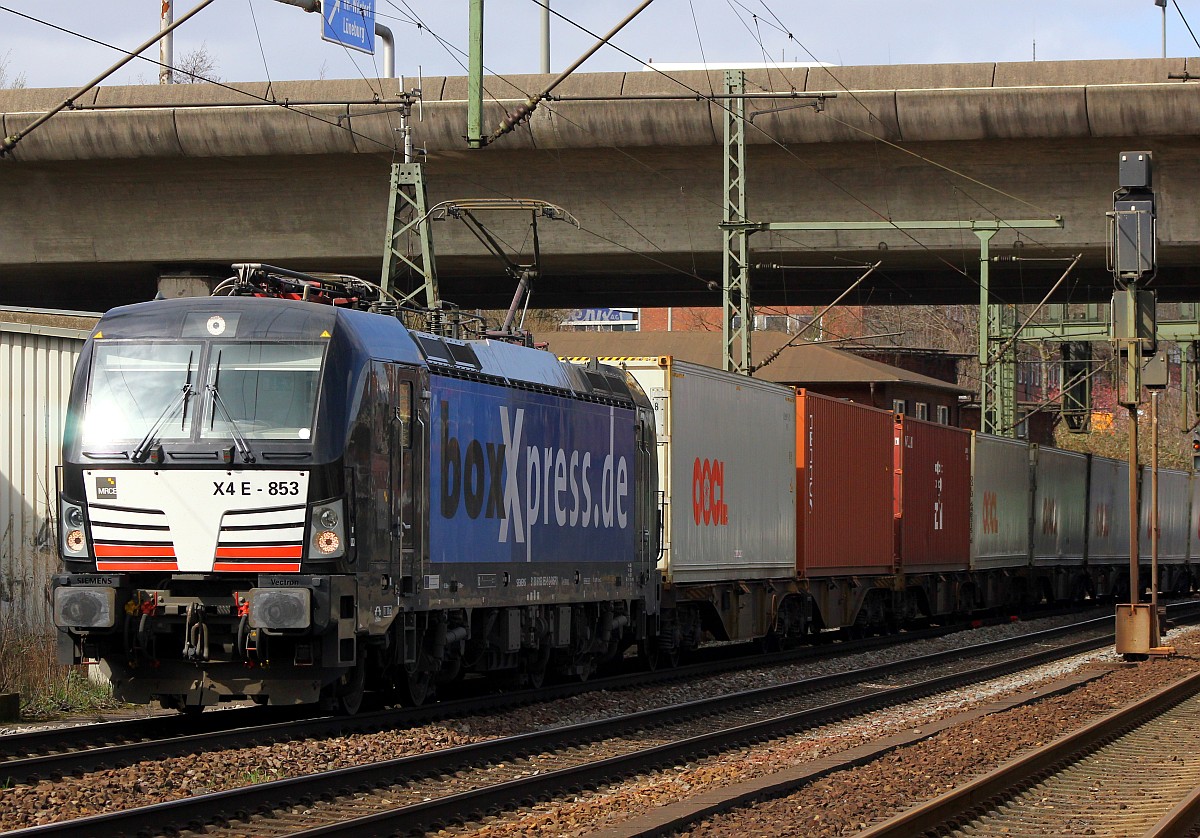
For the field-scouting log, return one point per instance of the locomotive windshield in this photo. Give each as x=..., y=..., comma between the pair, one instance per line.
x=262, y=390
x=137, y=385
x=175, y=392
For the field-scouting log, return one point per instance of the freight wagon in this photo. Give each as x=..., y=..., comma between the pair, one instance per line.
x=727, y=561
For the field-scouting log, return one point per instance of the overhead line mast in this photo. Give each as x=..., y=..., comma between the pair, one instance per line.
x=475, y=135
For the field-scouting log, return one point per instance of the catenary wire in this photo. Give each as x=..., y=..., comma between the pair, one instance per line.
x=258, y=35
x=771, y=139
x=1185, y=22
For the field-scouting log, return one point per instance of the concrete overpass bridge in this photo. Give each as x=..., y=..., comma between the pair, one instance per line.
x=137, y=182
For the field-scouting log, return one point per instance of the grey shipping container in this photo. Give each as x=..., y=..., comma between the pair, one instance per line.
x=1194, y=528
x=727, y=457
x=1108, y=511
x=1059, y=506
x=1173, y=515
x=1000, y=502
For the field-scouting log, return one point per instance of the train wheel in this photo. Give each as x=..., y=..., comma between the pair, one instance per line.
x=415, y=685
x=535, y=667
x=584, y=669
x=648, y=654
x=344, y=696
x=771, y=642
x=179, y=703
x=655, y=656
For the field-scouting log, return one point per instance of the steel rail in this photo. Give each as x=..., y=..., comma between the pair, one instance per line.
x=1181, y=821
x=240, y=802
x=443, y=811
x=54, y=751
x=62, y=751
x=1024, y=769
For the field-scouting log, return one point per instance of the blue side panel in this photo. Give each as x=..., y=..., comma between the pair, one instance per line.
x=528, y=477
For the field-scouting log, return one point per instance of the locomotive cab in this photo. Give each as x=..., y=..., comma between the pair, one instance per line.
x=208, y=534
x=265, y=498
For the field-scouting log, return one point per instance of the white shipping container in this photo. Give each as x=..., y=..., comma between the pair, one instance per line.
x=727, y=457
x=1059, y=506
x=1000, y=502
x=36, y=365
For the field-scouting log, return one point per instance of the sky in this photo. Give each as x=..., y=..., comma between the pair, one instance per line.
x=255, y=40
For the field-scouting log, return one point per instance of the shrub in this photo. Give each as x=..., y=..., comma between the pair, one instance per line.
x=28, y=665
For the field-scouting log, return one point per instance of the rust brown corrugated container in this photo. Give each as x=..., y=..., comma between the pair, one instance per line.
x=844, y=487
x=933, y=496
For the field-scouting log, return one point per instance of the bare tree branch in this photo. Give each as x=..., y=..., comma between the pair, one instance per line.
x=11, y=82
x=196, y=66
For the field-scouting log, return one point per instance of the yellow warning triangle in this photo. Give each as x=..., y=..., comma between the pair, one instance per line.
x=98, y=335
x=325, y=333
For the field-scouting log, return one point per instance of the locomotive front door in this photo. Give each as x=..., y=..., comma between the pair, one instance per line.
x=403, y=475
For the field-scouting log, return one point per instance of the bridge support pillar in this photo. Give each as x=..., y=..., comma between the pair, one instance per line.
x=173, y=285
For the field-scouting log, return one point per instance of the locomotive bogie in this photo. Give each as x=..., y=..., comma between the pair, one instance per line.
x=199, y=640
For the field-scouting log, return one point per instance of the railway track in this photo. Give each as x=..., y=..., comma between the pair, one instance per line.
x=450, y=785
x=64, y=751
x=1116, y=776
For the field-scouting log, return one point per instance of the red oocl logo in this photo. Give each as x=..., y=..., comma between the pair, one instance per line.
x=708, y=493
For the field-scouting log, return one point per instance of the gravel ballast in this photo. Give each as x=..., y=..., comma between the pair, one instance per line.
x=149, y=782
x=847, y=801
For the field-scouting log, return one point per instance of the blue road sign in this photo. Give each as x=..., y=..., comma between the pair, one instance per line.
x=350, y=23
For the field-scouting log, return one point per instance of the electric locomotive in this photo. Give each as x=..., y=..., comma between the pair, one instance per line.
x=263, y=497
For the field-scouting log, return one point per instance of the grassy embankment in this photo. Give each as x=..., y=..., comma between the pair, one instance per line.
x=48, y=689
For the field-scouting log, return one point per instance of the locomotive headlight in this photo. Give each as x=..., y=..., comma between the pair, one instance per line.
x=279, y=608
x=84, y=607
x=327, y=532
x=74, y=541
x=74, y=517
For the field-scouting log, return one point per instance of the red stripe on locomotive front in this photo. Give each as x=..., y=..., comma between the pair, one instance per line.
x=256, y=567
x=116, y=551
x=268, y=552
x=114, y=566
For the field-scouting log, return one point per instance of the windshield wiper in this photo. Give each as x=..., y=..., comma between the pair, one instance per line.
x=239, y=438
x=143, y=448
